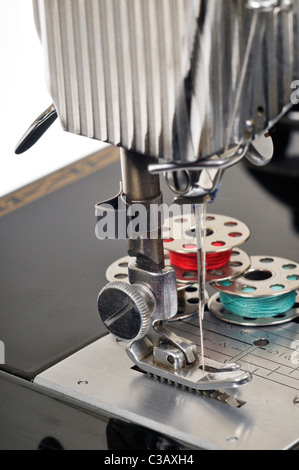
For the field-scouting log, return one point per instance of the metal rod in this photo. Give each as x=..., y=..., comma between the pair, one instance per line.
x=200, y=211
x=139, y=186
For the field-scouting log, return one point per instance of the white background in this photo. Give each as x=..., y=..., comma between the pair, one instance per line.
x=23, y=97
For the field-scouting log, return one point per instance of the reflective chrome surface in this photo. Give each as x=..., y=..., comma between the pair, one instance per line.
x=177, y=79
x=223, y=233
x=267, y=276
x=192, y=374
x=101, y=377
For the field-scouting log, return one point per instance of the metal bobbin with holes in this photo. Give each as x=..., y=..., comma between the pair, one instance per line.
x=222, y=234
x=267, y=277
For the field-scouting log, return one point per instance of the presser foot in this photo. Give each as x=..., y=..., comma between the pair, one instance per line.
x=168, y=363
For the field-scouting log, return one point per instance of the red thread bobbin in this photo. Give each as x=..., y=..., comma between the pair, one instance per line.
x=223, y=235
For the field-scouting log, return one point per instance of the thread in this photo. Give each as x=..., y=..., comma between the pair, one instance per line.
x=258, y=307
x=188, y=261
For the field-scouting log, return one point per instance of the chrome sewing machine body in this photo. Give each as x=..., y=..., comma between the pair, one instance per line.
x=186, y=89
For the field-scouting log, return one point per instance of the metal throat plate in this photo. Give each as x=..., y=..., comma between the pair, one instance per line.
x=102, y=376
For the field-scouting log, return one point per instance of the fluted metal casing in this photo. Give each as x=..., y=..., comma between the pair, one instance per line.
x=174, y=79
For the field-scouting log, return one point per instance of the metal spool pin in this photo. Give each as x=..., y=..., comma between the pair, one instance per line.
x=222, y=234
x=267, y=276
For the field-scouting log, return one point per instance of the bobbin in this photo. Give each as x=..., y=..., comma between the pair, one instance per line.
x=223, y=234
x=188, y=295
x=268, y=276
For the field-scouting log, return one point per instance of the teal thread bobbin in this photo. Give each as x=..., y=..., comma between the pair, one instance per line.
x=265, y=295
x=264, y=307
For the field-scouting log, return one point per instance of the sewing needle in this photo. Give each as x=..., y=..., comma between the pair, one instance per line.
x=200, y=210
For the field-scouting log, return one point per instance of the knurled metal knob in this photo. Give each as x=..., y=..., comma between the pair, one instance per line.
x=125, y=310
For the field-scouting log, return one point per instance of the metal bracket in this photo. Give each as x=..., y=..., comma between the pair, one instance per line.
x=163, y=286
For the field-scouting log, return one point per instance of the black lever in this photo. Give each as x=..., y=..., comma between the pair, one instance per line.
x=37, y=129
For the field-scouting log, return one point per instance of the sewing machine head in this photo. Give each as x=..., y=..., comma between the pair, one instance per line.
x=186, y=89
x=184, y=82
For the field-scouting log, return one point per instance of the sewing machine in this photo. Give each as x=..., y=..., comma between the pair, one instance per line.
x=189, y=91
